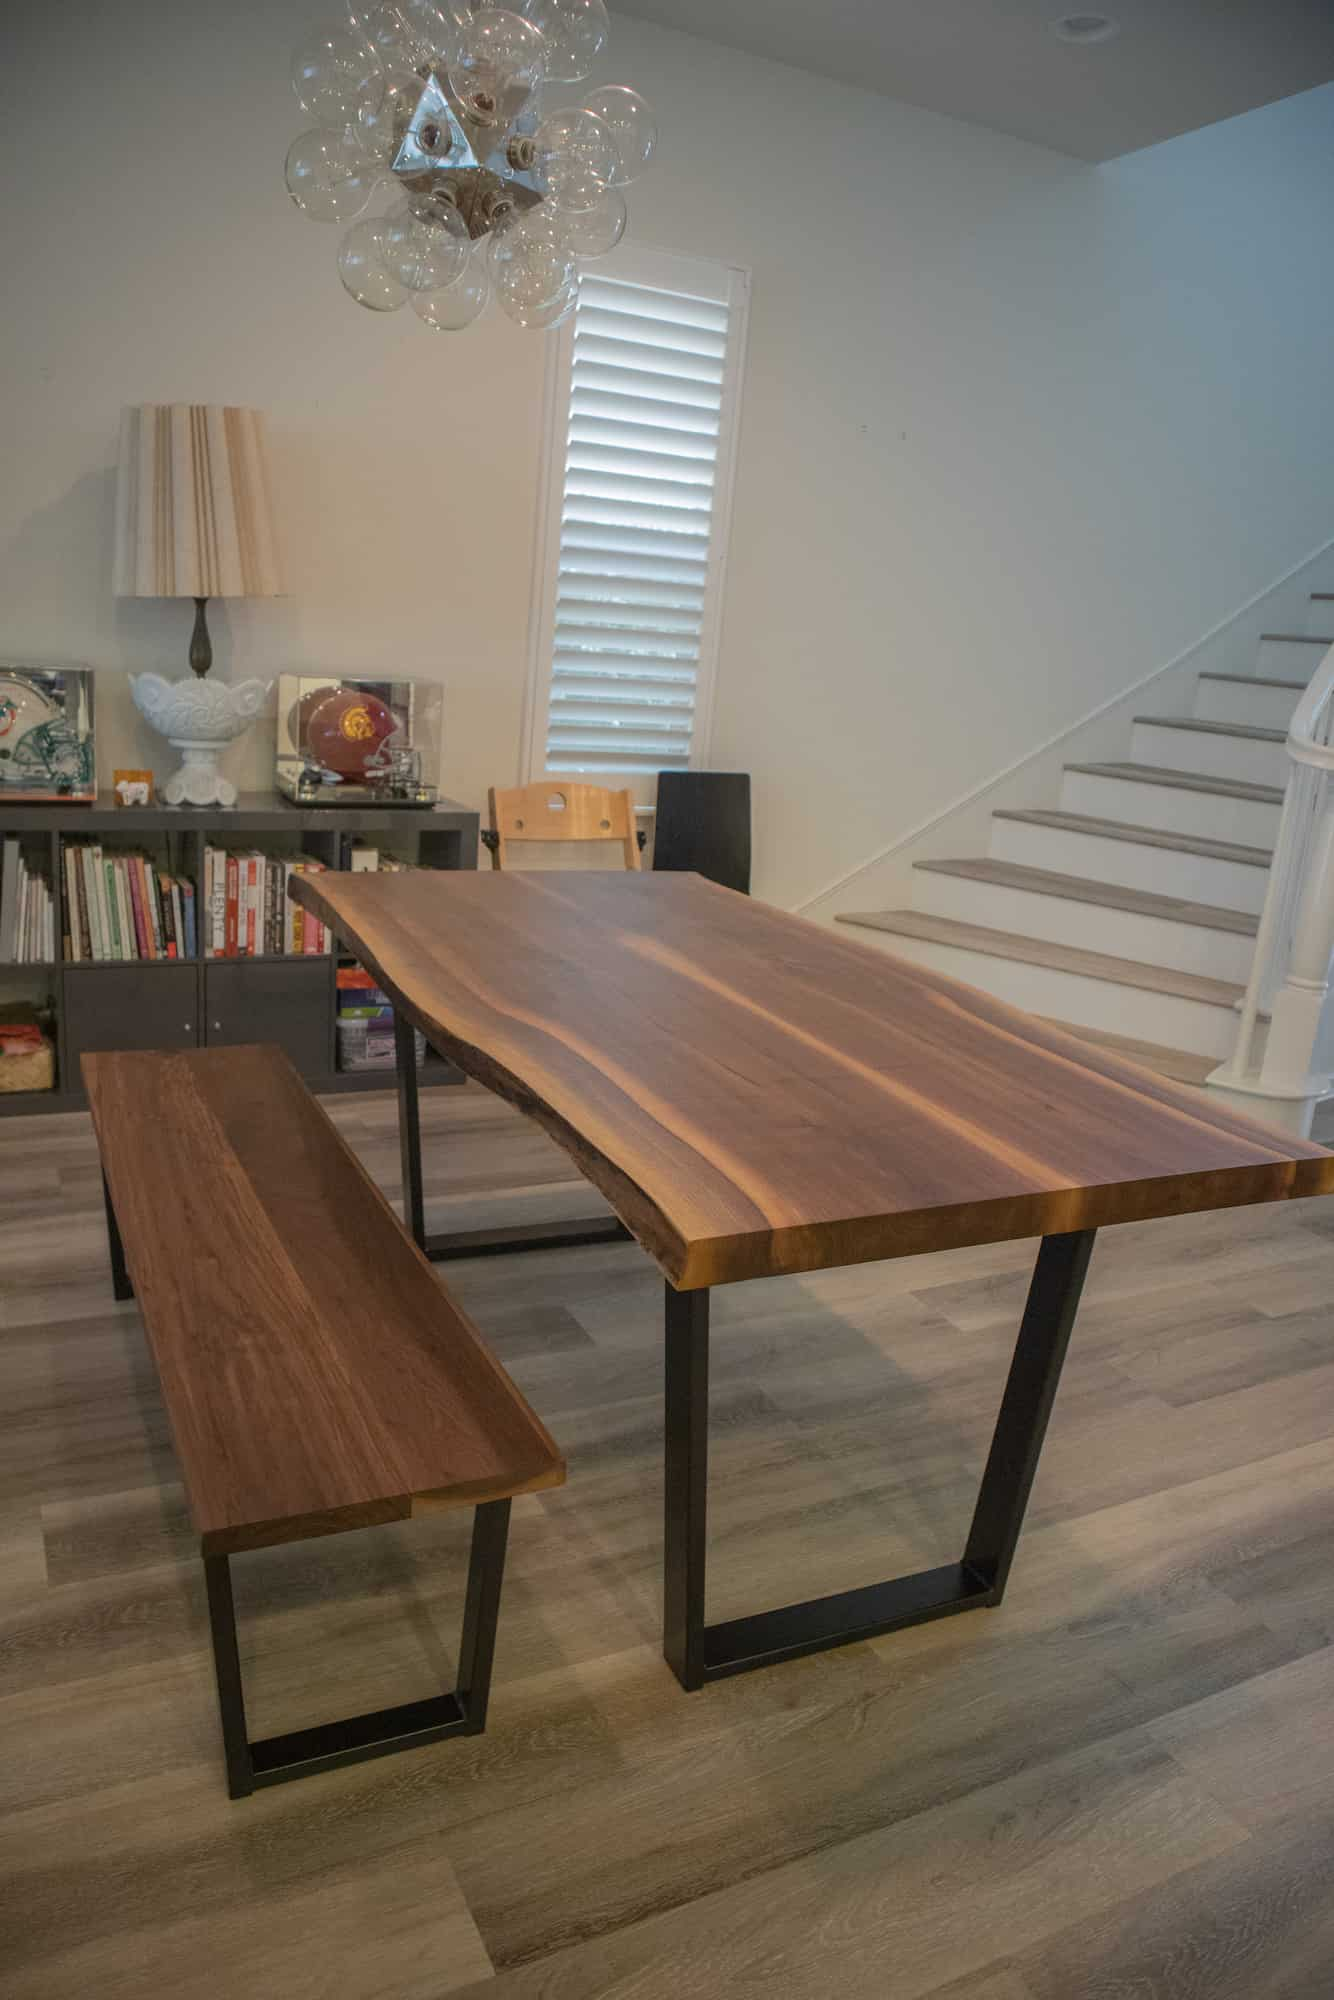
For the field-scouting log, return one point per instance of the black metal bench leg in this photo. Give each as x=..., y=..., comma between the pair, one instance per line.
x=327, y=1745
x=121, y=1288
x=698, y=1652
x=446, y=1246
x=481, y=1612
x=227, y=1666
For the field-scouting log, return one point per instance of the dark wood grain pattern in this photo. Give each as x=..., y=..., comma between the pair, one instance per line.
x=316, y=1376
x=757, y=1095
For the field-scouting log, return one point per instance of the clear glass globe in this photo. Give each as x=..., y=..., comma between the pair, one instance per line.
x=334, y=76
x=633, y=129
x=592, y=232
x=361, y=268
x=531, y=267
x=576, y=32
x=449, y=311
x=570, y=146
x=382, y=123
x=425, y=248
x=572, y=188
x=539, y=314
x=388, y=32
x=501, y=60
x=327, y=174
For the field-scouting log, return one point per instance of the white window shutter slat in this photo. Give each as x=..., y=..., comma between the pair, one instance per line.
x=646, y=387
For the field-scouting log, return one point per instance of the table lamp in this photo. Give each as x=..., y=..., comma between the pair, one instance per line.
x=194, y=518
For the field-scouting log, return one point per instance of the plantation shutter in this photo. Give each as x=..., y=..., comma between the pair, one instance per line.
x=639, y=491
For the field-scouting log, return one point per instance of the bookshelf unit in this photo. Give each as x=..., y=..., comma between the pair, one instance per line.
x=186, y=1002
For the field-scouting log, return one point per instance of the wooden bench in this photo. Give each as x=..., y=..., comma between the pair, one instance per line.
x=316, y=1375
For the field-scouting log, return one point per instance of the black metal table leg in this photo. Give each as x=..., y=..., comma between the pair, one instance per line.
x=325, y=1746
x=686, y=1484
x=121, y=1288
x=698, y=1652
x=449, y=1245
x=409, y=1129
x=1030, y=1391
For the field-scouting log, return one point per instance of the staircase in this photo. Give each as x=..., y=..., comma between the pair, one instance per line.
x=1129, y=910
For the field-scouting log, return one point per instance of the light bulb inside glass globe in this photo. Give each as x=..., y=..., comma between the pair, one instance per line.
x=633, y=129
x=449, y=311
x=592, y=232
x=382, y=123
x=361, y=268
x=576, y=31
x=327, y=174
x=425, y=248
x=334, y=76
x=567, y=141
x=501, y=60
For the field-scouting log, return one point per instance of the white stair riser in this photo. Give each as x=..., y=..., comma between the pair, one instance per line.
x=1196, y=878
x=1320, y=617
x=1211, y=815
x=1068, y=996
x=1087, y=926
x=1245, y=702
x=1208, y=814
x=1287, y=659
x=1256, y=763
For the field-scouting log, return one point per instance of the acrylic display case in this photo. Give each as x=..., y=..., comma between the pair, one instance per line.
x=46, y=734
x=344, y=740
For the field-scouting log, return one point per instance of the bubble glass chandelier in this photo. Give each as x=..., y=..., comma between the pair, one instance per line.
x=494, y=191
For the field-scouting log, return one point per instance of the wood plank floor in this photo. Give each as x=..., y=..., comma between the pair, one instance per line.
x=1119, y=1784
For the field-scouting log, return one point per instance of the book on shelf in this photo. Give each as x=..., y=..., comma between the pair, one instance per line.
x=247, y=912
x=27, y=908
x=120, y=907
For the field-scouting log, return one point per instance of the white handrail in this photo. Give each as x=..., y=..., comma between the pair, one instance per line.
x=1289, y=978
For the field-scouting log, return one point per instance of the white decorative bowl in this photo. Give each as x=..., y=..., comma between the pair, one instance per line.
x=198, y=718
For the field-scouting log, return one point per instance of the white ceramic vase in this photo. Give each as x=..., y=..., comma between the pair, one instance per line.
x=199, y=718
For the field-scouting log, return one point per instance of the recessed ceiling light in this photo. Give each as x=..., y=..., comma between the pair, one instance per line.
x=1085, y=28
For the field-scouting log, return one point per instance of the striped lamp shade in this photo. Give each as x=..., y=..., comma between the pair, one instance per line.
x=194, y=515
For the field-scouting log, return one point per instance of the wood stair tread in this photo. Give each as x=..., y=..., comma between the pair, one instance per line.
x=1251, y=730
x=1255, y=681
x=1041, y=951
x=1143, y=836
x=1186, y=781
x=1106, y=895
x=1183, y=1065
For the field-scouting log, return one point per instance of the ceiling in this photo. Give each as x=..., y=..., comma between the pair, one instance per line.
x=1175, y=65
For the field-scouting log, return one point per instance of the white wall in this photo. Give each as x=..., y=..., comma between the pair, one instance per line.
x=1016, y=430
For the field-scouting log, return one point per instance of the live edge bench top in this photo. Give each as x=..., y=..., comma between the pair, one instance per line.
x=316, y=1376
x=755, y=1094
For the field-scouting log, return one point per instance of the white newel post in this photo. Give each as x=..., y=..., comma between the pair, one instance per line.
x=1290, y=976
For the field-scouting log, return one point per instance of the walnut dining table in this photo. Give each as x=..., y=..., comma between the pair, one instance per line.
x=754, y=1096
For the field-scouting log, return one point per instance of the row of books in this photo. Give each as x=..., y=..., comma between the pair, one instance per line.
x=27, y=909
x=120, y=907
x=248, y=912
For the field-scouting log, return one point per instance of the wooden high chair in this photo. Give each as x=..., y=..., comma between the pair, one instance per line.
x=554, y=810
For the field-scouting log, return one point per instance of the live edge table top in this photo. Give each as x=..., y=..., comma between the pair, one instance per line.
x=756, y=1095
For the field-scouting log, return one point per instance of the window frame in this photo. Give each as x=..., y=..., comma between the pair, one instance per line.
x=659, y=270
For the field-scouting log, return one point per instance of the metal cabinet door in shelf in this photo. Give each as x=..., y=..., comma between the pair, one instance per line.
x=287, y=1001
x=129, y=1007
